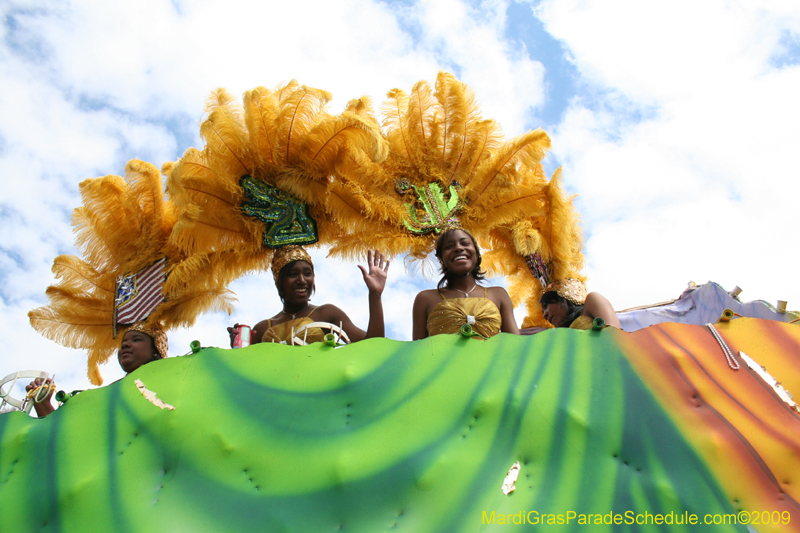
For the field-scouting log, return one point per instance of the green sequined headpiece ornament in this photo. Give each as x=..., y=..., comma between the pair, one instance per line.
x=440, y=214
x=287, y=219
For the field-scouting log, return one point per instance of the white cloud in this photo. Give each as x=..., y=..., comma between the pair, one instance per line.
x=471, y=37
x=698, y=186
x=661, y=52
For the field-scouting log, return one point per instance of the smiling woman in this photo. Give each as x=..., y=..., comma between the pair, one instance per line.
x=457, y=300
x=294, y=277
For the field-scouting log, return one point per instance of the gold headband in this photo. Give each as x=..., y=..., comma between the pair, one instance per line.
x=285, y=255
x=156, y=333
x=569, y=288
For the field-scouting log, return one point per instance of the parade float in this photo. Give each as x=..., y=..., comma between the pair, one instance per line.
x=685, y=423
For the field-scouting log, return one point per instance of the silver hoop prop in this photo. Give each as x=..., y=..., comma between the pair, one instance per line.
x=334, y=338
x=25, y=404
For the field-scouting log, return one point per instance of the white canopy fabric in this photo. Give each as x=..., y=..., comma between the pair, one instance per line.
x=699, y=305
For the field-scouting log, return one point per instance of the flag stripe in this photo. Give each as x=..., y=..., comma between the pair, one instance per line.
x=149, y=294
x=140, y=299
x=144, y=305
x=141, y=310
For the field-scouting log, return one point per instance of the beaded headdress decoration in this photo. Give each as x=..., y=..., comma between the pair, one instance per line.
x=287, y=220
x=569, y=288
x=285, y=255
x=156, y=333
x=439, y=214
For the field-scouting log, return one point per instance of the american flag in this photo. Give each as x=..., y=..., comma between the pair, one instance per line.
x=139, y=294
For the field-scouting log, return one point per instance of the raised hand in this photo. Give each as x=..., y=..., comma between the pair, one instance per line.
x=43, y=406
x=375, y=273
x=35, y=384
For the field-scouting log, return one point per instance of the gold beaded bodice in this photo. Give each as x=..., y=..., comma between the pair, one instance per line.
x=449, y=315
x=283, y=332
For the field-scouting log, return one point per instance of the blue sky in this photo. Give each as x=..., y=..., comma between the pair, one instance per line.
x=676, y=131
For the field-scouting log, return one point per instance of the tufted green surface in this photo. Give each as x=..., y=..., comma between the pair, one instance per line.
x=378, y=436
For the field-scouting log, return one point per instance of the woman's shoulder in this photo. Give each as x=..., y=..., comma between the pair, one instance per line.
x=595, y=298
x=325, y=312
x=497, y=290
x=428, y=295
x=497, y=293
x=263, y=324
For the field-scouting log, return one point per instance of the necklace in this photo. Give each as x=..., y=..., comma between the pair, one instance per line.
x=732, y=362
x=294, y=315
x=466, y=294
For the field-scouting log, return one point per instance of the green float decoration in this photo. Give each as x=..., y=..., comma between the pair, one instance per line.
x=379, y=435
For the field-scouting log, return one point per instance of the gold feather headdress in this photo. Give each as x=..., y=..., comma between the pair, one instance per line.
x=436, y=164
x=277, y=153
x=448, y=166
x=280, y=169
x=122, y=228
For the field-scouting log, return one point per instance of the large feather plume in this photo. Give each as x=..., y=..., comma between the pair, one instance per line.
x=122, y=227
x=509, y=205
x=440, y=137
x=395, y=110
x=261, y=112
x=300, y=111
x=461, y=126
x=502, y=169
x=286, y=138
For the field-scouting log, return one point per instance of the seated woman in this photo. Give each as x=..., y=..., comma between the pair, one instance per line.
x=565, y=304
x=140, y=345
x=459, y=299
x=294, y=277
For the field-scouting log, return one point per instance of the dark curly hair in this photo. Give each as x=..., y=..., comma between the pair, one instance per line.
x=285, y=272
x=447, y=277
x=573, y=310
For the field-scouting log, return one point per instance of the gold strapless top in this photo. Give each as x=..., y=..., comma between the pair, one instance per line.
x=582, y=322
x=448, y=316
x=283, y=332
